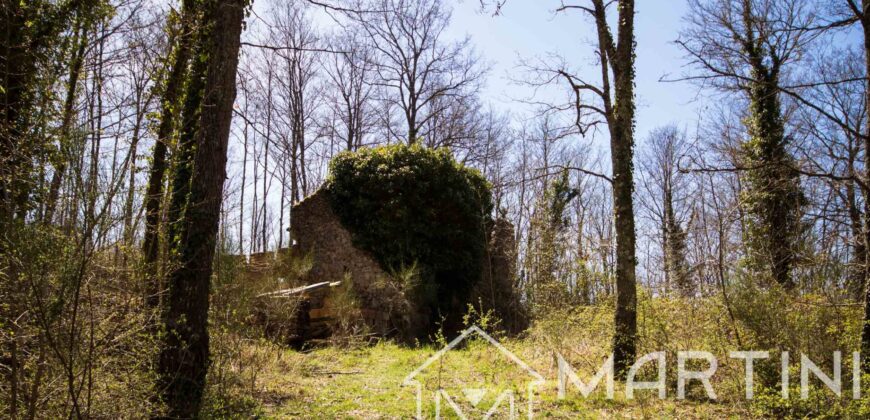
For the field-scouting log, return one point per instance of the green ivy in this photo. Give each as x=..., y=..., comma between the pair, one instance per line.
x=412, y=205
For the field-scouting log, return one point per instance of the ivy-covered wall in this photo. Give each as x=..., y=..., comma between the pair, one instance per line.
x=413, y=206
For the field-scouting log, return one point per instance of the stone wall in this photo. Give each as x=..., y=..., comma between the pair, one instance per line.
x=317, y=234
x=497, y=289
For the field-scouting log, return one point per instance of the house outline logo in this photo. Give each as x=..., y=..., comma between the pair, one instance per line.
x=473, y=394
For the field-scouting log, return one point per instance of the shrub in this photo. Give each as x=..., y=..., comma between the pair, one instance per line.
x=821, y=403
x=410, y=205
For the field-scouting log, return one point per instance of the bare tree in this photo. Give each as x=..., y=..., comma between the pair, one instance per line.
x=145, y=47
x=458, y=123
x=419, y=71
x=666, y=191
x=745, y=46
x=350, y=73
x=610, y=102
x=851, y=11
x=296, y=67
x=832, y=154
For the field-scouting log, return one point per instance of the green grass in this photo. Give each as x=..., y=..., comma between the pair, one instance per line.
x=366, y=383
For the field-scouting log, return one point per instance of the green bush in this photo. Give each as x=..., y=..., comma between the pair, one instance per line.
x=821, y=403
x=411, y=205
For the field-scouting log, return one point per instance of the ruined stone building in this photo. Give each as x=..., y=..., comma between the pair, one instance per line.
x=317, y=234
x=338, y=275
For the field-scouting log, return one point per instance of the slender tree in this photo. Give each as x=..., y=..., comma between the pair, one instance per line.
x=609, y=102
x=413, y=62
x=172, y=93
x=666, y=189
x=613, y=100
x=197, y=192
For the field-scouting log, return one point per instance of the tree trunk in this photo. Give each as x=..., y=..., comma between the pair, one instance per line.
x=865, y=330
x=625, y=318
x=773, y=196
x=621, y=155
x=154, y=192
x=129, y=228
x=244, y=175
x=855, y=279
x=265, y=184
x=76, y=63
x=197, y=193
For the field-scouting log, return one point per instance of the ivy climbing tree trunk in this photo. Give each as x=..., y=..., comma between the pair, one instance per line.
x=168, y=111
x=197, y=192
x=744, y=46
x=674, y=242
x=76, y=62
x=621, y=124
x=773, y=197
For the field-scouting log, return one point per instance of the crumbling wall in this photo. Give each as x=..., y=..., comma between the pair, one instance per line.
x=317, y=234
x=497, y=289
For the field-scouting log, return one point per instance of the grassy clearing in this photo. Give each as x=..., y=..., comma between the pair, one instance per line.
x=364, y=381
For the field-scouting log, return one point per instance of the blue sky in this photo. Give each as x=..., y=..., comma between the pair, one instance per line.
x=529, y=28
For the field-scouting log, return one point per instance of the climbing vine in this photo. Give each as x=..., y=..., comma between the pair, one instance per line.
x=412, y=205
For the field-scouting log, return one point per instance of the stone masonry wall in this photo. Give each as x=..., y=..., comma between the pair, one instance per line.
x=497, y=288
x=318, y=234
